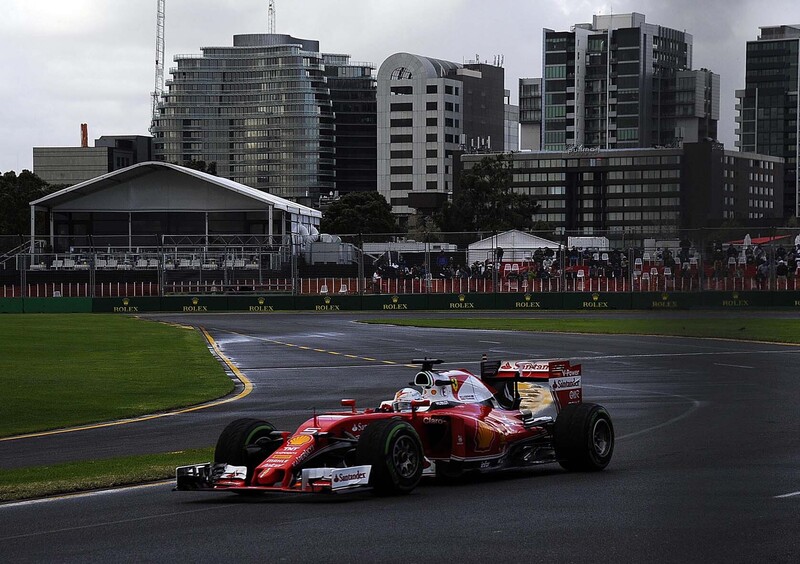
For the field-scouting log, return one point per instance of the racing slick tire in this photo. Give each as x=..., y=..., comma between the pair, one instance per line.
x=394, y=450
x=239, y=441
x=583, y=437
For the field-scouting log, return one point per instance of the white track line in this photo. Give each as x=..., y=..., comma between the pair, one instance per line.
x=787, y=495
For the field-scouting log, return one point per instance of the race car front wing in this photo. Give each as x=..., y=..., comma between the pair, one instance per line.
x=225, y=477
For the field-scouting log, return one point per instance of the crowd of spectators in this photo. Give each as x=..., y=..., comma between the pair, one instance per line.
x=684, y=262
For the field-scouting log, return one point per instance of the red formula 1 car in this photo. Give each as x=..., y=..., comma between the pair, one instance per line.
x=514, y=415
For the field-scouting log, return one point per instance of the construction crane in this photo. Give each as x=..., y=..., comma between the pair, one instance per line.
x=159, y=87
x=271, y=24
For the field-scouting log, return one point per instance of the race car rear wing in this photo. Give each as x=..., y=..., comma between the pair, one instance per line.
x=562, y=378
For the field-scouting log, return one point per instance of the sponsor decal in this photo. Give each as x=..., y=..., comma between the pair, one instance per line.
x=462, y=303
x=395, y=305
x=281, y=456
x=303, y=455
x=433, y=392
x=455, y=384
x=358, y=427
x=459, y=440
x=595, y=303
x=664, y=303
x=234, y=472
x=565, y=383
x=261, y=307
x=195, y=307
x=532, y=366
x=735, y=301
x=434, y=421
x=349, y=477
x=126, y=307
x=299, y=440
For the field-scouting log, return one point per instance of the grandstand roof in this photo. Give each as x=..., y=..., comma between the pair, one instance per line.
x=159, y=186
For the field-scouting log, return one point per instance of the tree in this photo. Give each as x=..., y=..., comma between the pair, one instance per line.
x=359, y=212
x=16, y=193
x=485, y=200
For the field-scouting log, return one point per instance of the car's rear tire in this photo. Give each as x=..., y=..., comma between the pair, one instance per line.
x=583, y=437
x=394, y=450
x=245, y=442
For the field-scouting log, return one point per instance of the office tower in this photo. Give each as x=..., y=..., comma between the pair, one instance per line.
x=767, y=119
x=352, y=87
x=620, y=82
x=428, y=109
x=260, y=109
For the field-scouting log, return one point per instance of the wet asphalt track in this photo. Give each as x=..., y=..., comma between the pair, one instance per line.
x=708, y=439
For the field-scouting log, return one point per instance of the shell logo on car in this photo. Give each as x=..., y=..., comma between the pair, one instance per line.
x=300, y=440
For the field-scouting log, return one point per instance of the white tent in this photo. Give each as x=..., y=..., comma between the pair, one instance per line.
x=516, y=245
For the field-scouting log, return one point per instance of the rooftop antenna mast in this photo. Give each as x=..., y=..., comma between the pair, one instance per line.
x=159, y=86
x=271, y=26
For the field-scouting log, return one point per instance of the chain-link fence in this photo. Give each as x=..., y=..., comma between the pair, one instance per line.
x=429, y=262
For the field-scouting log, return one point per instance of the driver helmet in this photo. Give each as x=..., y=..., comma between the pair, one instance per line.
x=403, y=398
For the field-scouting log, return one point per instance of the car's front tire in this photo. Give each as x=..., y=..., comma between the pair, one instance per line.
x=583, y=437
x=245, y=442
x=394, y=450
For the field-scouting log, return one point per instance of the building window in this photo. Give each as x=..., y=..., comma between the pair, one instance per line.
x=431, y=89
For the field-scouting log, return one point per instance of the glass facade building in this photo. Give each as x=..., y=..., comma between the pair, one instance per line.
x=622, y=83
x=260, y=109
x=768, y=106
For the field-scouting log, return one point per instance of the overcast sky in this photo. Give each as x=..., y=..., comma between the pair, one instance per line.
x=67, y=62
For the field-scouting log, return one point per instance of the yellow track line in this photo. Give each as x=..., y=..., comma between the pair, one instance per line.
x=248, y=387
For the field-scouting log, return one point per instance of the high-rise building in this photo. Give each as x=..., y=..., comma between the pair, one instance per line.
x=260, y=109
x=428, y=109
x=769, y=105
x=620, y=82
x=353, y=88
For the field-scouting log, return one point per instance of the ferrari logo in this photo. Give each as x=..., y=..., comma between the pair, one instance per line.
x=455, y=385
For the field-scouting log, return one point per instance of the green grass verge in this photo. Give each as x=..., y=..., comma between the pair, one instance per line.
x=27, y=483
x=70, y=369
x=774, y=330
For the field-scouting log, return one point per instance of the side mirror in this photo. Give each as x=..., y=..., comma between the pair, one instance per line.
x=351, y=403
